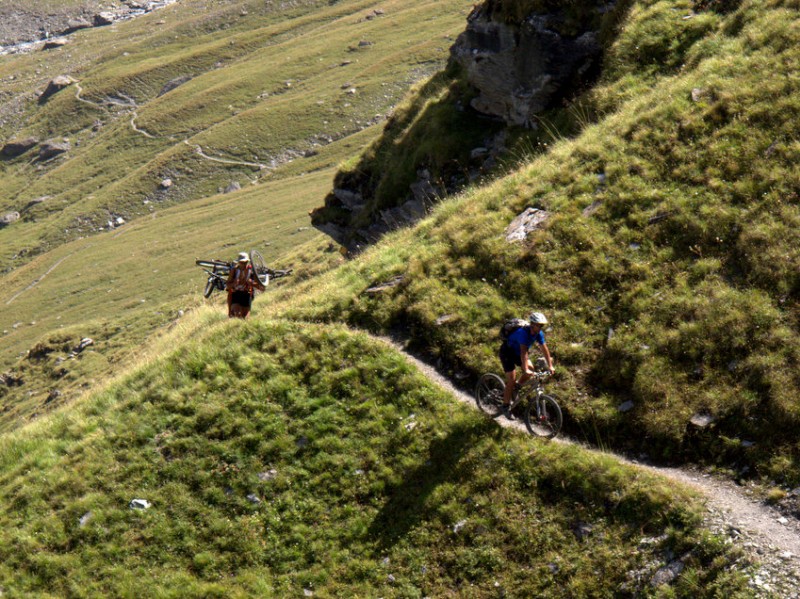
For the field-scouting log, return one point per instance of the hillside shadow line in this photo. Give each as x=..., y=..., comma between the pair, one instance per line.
x=407, y=505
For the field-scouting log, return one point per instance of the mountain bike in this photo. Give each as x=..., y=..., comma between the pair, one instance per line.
x=218, y=271
x=542, y=414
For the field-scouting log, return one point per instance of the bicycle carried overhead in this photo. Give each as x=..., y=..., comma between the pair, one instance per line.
x=542, y=414
x=218, y=271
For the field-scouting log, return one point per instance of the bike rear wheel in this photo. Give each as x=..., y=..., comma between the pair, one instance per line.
x=489, y=394
x=209, y=289
x=543, y=417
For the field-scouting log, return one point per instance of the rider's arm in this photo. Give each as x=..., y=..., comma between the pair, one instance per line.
x=524, y=360
x=231, y=275
x=547, y=357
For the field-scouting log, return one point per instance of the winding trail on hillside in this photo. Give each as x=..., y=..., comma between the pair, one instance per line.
x=135, y=116
x=760, y=530
x=79, y=97
x=199, y=151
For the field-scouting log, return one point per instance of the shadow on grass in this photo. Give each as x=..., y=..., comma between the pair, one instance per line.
x=408, y=501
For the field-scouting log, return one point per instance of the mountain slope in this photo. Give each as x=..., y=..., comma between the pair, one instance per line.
x=275, y=465
x=668, y=260
x=266, y=85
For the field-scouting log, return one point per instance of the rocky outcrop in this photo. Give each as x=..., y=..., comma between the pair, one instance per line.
x=8, y=218
x=104, y=18
x=522, y=57
x=55, y=86
x=52, y=148
x=56, y=42
x=352, y=218
x=173, y=83
x=18, y=147
x=522, y=68
x=527, y=222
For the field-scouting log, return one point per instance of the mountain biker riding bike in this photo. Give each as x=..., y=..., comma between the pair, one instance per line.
x=515, y=351
x=241, y=283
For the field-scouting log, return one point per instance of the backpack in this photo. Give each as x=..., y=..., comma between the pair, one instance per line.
x=511, y=326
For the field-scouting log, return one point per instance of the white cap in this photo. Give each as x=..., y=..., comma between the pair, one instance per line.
x=243, y=257
x=537, y=318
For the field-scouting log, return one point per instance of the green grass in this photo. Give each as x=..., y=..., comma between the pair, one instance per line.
x=263, y=84
x=368, y=481
x=120, y=287
x=454, y=506
x=678, y=290
x=92, y=283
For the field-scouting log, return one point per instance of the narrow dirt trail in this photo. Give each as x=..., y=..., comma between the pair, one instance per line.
x=760, y=530
x=41, y=278
x=199, y=151
x=135, y=116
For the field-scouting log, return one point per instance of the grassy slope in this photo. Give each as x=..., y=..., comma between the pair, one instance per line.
x=357, y=495
x=265, y=80
x=95, y=286
x=372, y=484
x=677, y=289
x=120, y=287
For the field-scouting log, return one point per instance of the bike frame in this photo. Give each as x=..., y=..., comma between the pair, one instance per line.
x=533, y=389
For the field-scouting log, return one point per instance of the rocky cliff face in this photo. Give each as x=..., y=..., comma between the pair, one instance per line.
x=523, y=68
x=518, y=58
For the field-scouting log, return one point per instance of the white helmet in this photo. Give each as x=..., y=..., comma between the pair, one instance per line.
x=537, y=318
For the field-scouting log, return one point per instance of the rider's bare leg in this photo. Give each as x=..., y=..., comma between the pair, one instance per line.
x=511, y=380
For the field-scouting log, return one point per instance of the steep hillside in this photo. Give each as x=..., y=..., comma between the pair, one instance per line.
x=280, y=460
x=263, y=75
x=290, y=454
x=665, y=254
x=177, y=104
x=513, y=81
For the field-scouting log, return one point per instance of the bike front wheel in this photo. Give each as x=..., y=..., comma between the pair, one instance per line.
x=543, y=417
x=215, y=265
x=259, y=267
x=489, y=394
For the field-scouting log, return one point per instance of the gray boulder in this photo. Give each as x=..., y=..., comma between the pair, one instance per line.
x=8, y=218
x=233, y=186
x=74, y=25
x=18, y=147
x=104, y=18
x=56, y=42
x=139, y=504
x=53, y=148
x=668, y=573
x=55, y=86
x=527, y=222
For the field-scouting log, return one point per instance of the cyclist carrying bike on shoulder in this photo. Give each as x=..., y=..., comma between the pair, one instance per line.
x=515, y=351
x=242, y=281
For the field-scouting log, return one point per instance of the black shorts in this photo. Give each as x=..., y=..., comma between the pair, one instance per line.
x=509, y=358
x=242, y=298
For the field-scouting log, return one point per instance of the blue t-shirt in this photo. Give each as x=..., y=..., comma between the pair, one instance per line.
x=524, y=337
